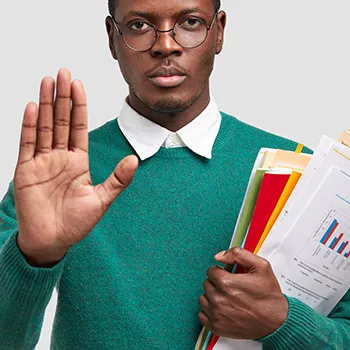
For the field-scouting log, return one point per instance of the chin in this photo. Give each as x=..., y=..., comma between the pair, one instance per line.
x=171, y=104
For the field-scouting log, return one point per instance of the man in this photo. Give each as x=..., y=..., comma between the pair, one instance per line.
x=129, y=273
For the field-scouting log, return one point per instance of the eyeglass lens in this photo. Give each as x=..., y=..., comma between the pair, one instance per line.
x=189, y=33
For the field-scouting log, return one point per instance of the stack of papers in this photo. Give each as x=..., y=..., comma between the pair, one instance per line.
x=296, y=214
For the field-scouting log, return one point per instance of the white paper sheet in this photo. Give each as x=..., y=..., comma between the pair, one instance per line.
x=318, y=271
x=230, y=344
x=329, y=153
x=309, y=253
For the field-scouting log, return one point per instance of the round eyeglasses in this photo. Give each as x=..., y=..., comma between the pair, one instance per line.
x=140, y=35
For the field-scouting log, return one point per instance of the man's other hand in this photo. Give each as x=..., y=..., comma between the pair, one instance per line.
x=242, y=306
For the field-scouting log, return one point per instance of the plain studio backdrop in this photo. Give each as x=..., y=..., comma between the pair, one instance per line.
x=284, y=68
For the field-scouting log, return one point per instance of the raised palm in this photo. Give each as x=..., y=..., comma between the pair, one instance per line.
x=56, y=204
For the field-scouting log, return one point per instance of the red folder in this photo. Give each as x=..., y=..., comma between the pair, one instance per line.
x=270, y=191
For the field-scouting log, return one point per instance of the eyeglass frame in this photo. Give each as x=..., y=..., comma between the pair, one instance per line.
x=173, y=34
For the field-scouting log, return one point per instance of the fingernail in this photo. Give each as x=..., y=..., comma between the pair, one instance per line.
x=220, y=255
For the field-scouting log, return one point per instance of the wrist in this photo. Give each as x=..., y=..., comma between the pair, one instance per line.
x=282, y=314
x=296, y=330
x=40, y=258
x=41, y=263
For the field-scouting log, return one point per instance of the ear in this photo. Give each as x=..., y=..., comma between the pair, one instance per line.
x=110, y=32
x=221, y=29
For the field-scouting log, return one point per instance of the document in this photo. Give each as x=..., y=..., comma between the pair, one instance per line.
x=316, y=248
x=329, y=153
x=311, y=235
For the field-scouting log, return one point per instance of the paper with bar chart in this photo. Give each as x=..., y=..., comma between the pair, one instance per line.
x=317, y=247
x=327, y=154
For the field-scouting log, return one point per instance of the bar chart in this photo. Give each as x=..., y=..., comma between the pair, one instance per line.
x=333, y=237
x=329, y=246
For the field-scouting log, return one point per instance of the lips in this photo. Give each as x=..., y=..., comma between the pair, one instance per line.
x=167, y=77
x=168, y=81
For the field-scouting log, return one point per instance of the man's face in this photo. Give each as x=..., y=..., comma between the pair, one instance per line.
x=166, y=94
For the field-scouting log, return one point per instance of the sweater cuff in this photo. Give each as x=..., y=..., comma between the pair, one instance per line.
x=296, y=331
x=24, y=283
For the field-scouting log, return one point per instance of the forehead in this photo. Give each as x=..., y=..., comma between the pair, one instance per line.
x=163, y=8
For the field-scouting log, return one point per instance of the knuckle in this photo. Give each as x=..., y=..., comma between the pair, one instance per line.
x=45, y=129
x=201, y=299
x=79, y=127
x=215, y=321
x=62, y=122
x=105, y=204
x=48, y=104
x=265, y=264
x=63, y=97
x=236, y=250
x=27, y=144
x=28, y=126
x=210, y=270
x=43, y=149
x=117, y=183
x=76, y=148
x=216, y=302
x=203, y=320
x=224, y=284
x=205, y=284
x=60, y=145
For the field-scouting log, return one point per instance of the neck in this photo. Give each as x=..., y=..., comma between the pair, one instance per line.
x=174, y=121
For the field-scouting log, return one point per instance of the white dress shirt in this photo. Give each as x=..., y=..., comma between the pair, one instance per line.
x=146, y=137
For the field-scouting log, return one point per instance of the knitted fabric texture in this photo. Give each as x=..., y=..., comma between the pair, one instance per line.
x=135, y=280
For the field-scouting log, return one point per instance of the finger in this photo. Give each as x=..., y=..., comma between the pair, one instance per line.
x=204, y=305
x=209, y=289
x=45, y=119
x=216, y=275
x=28, y=133
x=242, y=257
x=118, y=181
x=223, y=280
x=62, y=110
x=78, y=138
x=204, y=320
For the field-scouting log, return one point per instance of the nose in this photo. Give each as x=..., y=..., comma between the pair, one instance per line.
x=166, y=45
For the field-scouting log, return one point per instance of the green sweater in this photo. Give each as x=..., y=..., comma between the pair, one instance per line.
x=134, y=282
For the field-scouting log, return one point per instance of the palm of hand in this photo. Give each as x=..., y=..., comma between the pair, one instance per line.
x=59, y=182
x=56, y=204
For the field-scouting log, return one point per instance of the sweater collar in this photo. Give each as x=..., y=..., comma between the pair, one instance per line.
x=147, y=137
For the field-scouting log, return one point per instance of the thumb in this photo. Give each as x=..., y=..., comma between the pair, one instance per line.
x=242, y=257
x=118, y=181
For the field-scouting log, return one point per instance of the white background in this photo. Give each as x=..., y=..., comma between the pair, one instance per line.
x=284, y=68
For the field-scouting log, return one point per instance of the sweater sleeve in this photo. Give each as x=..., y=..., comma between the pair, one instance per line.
x=25, y=291
x=306, y=329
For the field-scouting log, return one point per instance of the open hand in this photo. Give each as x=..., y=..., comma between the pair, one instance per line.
x=56, y=204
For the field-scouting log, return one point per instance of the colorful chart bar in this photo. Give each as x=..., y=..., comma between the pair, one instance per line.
x=342, y=247
x=336, y=241
x=333, y=242
x=329, y=232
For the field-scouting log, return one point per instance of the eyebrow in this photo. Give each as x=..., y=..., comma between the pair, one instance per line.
x=151, y=15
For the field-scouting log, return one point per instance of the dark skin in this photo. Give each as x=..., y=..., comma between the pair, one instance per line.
x=242, y=306
x=52, y=180
x=186, y=101
x=245, y=306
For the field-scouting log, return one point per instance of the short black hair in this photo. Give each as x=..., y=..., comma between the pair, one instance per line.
x=113, y=4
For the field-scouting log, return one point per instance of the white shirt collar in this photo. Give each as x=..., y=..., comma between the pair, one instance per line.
x=146, y=137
